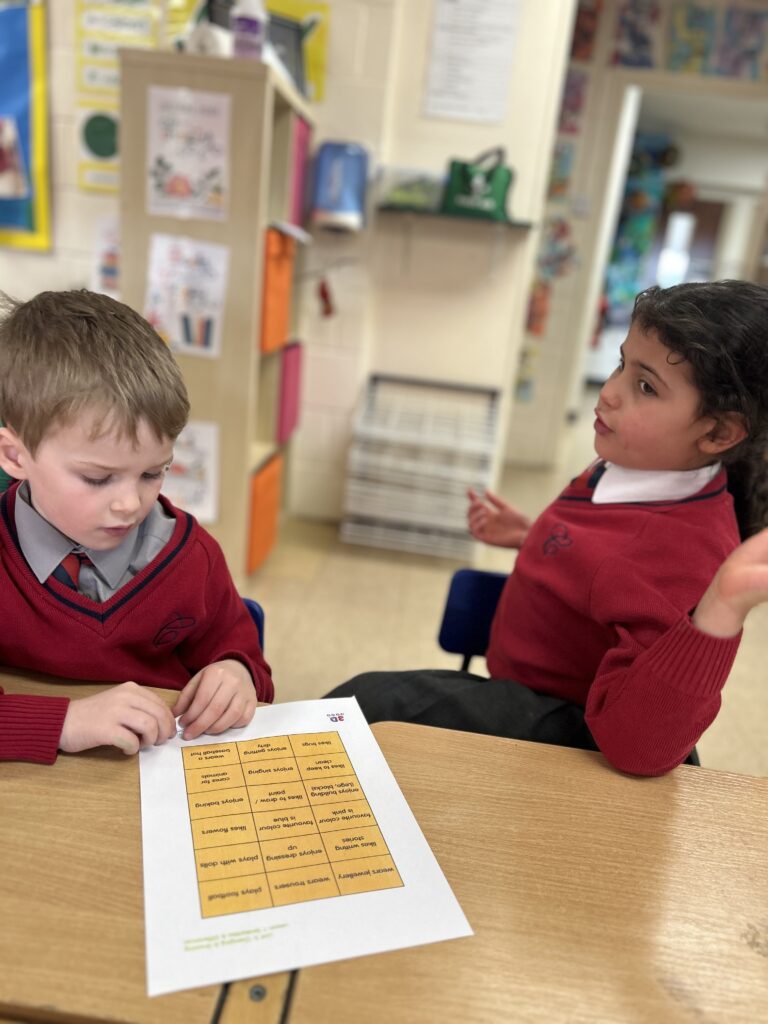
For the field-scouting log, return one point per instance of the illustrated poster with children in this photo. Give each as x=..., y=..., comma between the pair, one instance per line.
x=281, y=845
x=186, y=291
x=188, y=153
x=192, y=482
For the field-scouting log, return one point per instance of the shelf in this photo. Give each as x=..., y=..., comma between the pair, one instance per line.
x=417, y=211
x=261, y=452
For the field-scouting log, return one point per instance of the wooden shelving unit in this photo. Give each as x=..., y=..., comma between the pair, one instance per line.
x=237, y=390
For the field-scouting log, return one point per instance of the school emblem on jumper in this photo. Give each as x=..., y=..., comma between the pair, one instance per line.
x=559, y=538
x=169, y=633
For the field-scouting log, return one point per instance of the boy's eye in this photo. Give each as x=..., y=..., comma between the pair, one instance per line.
x=92, y=482
x=153, y=476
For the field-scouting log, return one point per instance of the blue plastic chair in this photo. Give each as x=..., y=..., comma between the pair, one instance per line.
x=469, y=609
x=257, y=614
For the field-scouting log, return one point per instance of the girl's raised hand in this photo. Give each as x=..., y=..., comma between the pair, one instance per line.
x=739, y=585
x=491, y=520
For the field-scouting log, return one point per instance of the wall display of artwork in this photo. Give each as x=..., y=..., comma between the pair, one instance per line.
x=691, y=37
x=100, y=29
x=561, y=170
x=188, y=153
x=638, y=37
x=585, y=29
x=572, y=104
x=192, y=481
x=24, y=189
x=185, y=293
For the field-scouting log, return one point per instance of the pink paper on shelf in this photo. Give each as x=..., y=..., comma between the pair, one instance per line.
x=301, y=137
x=290, y=391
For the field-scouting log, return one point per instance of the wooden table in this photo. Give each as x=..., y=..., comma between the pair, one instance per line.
x=594, y=897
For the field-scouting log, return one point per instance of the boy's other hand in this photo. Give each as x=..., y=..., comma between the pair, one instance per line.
x=221, y=696
x=127, y=716
x=739, y=584
x=491, y=520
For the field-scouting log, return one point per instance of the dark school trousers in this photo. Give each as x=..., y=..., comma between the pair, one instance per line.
x=460, y=700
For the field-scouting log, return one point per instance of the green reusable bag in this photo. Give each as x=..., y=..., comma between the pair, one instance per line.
x=478, y=188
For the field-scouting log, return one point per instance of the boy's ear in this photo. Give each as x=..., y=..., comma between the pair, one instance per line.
x=729, y=429
x=13, y=454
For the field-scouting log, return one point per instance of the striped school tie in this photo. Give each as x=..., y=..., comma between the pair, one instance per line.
x=68, y=570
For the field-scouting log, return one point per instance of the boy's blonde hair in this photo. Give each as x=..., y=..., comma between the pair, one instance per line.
x=65, y=353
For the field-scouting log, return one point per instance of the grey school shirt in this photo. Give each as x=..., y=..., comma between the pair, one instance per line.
x=44, y=547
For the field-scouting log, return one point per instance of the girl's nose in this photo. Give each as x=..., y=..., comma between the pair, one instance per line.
x=609, y=394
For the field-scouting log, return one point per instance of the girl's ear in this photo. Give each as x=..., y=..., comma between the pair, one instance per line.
x=13, y=454
x=729, y=429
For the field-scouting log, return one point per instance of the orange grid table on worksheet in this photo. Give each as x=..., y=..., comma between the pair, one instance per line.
x=281, y=820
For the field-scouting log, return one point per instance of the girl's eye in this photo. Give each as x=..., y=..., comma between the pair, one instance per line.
x=646, y=388
x=96, y=483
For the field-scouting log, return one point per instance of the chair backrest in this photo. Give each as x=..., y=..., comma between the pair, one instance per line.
x=257, y=614
x=469, y=609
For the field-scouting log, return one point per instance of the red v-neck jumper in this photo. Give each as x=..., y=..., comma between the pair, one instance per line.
x=597, y=612
x=179, y=614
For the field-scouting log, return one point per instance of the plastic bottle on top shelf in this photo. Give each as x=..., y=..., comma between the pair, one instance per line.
x=248, y=20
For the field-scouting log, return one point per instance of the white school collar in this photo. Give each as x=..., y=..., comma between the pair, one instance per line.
x=621, y=484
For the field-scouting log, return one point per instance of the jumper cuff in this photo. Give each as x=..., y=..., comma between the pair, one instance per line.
x=700, y=661
x=30, y=727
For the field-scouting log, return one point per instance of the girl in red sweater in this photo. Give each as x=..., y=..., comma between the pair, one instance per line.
x=619, y=624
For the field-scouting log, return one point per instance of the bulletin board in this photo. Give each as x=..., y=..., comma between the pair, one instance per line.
x=24, y=181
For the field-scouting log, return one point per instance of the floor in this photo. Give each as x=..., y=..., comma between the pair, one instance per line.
x=334, y=609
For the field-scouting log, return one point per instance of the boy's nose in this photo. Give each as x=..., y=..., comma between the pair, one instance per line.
x=127, y=501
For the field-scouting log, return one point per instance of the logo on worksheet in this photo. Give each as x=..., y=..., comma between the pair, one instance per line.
x=336, y=716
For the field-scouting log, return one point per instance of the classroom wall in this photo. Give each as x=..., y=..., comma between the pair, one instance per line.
x=445, y=302
x=440, y=300
x=537, y=426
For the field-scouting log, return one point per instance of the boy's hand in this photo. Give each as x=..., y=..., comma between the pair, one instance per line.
x=739, y=584
x=127, y=716
x=493, y=521
x=221, y=696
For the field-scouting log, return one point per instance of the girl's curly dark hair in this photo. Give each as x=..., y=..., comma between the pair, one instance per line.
x=721, y=329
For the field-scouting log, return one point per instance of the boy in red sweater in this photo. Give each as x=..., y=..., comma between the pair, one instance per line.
x=620, y=622
x=102, y=578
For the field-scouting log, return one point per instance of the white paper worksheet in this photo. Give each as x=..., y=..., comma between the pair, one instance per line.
x=277, y=846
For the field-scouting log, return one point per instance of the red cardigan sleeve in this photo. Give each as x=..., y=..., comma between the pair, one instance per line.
x=229, y=629
x=30, y=727
x=658, y=688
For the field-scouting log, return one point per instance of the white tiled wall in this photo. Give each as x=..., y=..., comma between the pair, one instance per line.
x=428, y=300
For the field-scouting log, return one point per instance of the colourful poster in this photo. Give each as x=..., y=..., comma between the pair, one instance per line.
x=312, y=18
x=585, y=29
x=192, y=481
x=561, y=170
x=24, y=186
x=188, y=153
x=692, y=29
x=637, y=42
x=740, y=44
x=574, y=98
x=186, y=288
x=101, y=28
